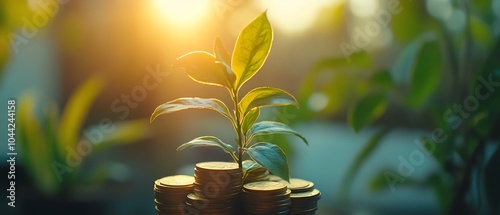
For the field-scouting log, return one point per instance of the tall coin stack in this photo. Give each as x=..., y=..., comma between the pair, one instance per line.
x=266, y=197
x=304, y=197
x=170, y=193
x=217, y=188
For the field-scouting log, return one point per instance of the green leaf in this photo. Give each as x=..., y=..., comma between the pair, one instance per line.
x=192, y=103
x=249, y=166
x=202, y=67
x=426, y=74
x=250, y=119
x=224, y=59
x=252, y=48
x=266, y=96
x=272, y=158
x=382, y=79
x=270, y=127
x=75, y=112
x=367, y=110
x=402, y=68
x=207, y=141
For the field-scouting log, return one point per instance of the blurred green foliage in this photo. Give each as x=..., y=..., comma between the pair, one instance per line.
x=53, y=147
x=444, y=80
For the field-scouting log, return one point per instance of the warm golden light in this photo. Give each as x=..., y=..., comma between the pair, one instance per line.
x=183, y=13
x=293, y=16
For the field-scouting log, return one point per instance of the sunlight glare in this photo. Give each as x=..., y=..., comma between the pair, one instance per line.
x=183, y=13
x=363, y=8
x=292, y=16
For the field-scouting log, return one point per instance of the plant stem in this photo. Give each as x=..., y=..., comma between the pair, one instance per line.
x=240, y=139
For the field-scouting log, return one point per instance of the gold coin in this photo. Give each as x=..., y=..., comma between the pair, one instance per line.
x=265, y=186
x=299, y=185
x=177, y=181
x=309, y=194
x=218, y=166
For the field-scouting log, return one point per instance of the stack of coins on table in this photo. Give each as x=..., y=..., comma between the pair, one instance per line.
x=170, y=193
x=259, y=174
x=265, y=197
x=217, y=188
x=304, y=197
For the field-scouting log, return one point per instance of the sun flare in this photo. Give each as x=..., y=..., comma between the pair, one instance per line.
x=182, y=13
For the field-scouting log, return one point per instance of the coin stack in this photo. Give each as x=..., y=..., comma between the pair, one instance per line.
x=266, y=197
x=304, y=197
x=259, y=174
x=170, y=193
x=217, y=188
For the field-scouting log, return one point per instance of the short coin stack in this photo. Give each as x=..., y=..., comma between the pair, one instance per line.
x=217, y=188
x=170, y=193
x=304, y=197
x=265, y=197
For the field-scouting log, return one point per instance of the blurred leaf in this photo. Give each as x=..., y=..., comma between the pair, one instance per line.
x=402, y=68
x=367, y=110
x=336, y=78
x=202, y=67
x=192, y=103
x=50, y=129
x=383, y=80
x=426, y=75
x=265, y=96
x=483, y=124
x=121, y=133
x=209, y=141
x=481, y=32
x=252, y=48
x=358, y=162
x=35, y=147
x=486, y=81
x=270, y=128
x=223, y=56
x=4, y=54
x=483, y=5
x=75, y=112
x=271, y=157
x=250, y=119
x=410, y=21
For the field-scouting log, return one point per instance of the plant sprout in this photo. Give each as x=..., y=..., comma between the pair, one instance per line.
x=231, y=72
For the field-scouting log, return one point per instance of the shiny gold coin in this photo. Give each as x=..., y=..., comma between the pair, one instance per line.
x=265, y=186
x=306, y=195
x=299, y=185
x=177, y=181
x=218, y=166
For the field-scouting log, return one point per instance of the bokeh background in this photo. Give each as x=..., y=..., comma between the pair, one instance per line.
x=331, y=54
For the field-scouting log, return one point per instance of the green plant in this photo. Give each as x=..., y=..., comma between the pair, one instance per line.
x=47, y=145
x=231, y=72
x=436, y=83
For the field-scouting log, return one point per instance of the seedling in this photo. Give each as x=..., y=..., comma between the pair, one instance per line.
x=231, y=72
